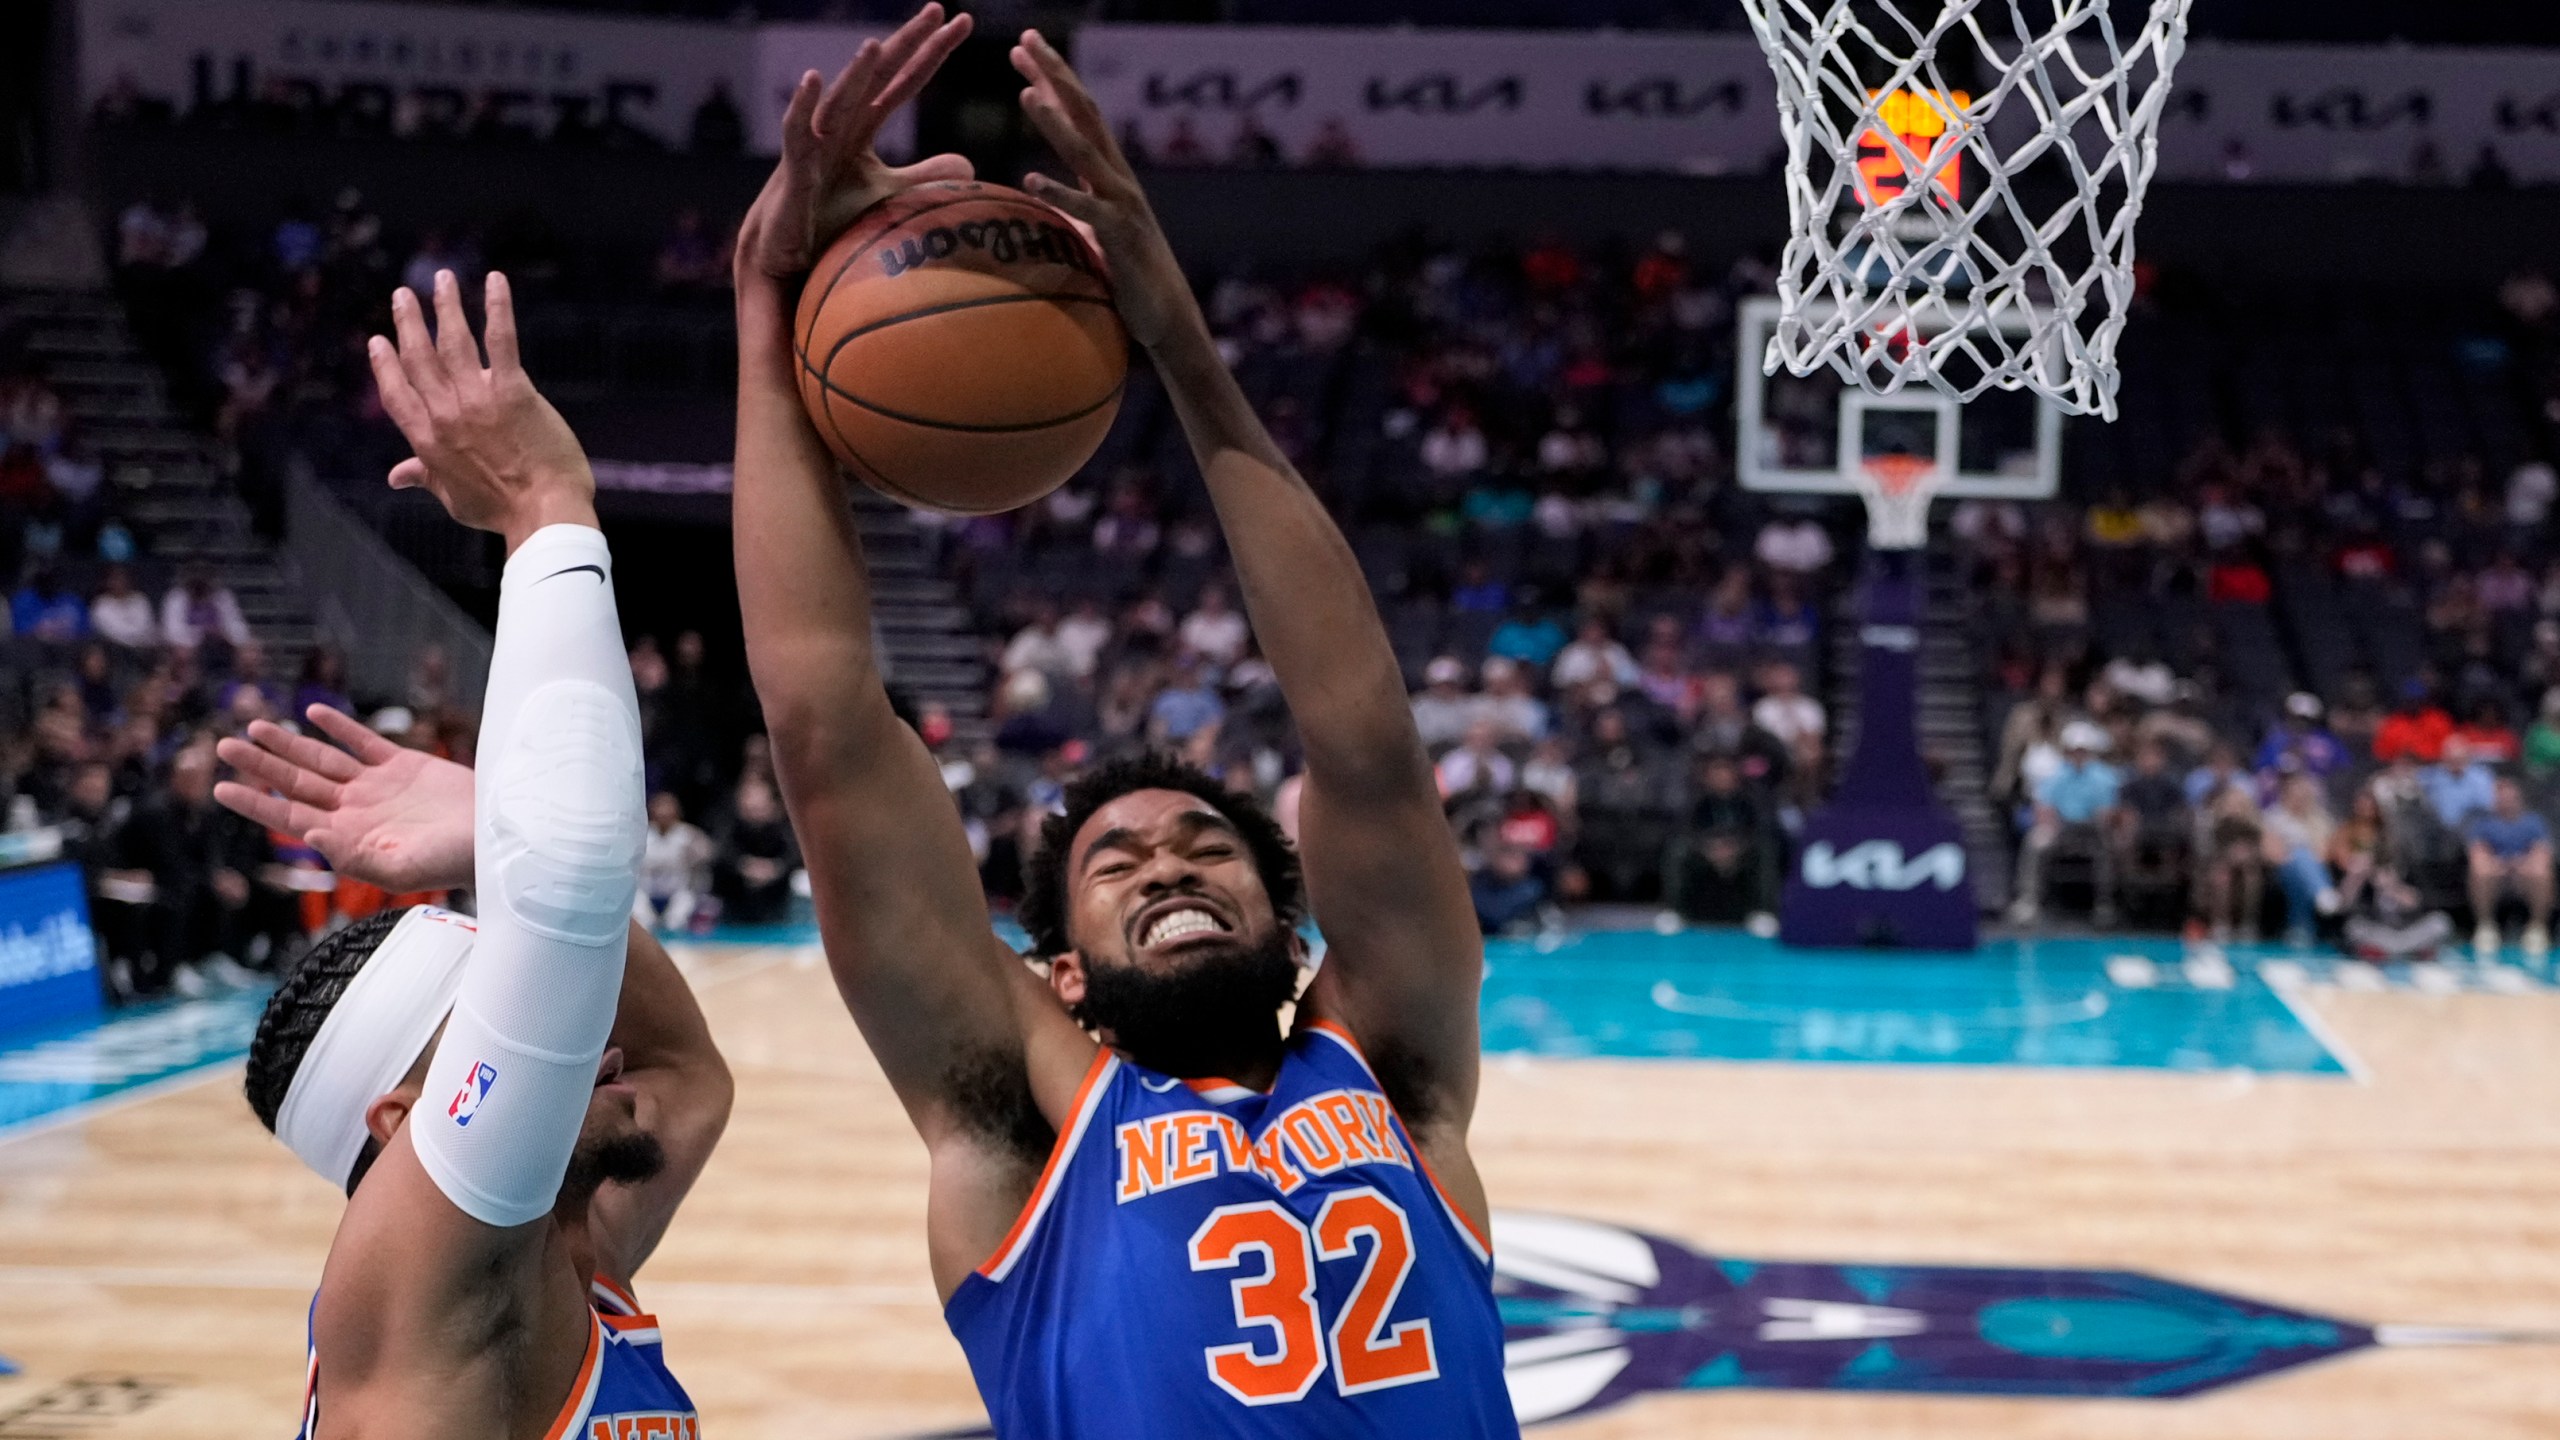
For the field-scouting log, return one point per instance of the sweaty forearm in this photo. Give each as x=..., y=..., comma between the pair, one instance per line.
x=802, y=589
x=1303, y=591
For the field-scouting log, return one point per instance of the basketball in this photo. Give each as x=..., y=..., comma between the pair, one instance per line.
x=958, y=348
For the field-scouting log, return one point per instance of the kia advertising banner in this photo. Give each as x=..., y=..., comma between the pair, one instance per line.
x=539, y=66
x=1706, y=103
x=2329, y=113
x=1883, y=864
x=1657, y=101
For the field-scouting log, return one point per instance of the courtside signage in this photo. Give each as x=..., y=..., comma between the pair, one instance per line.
x=48, y=953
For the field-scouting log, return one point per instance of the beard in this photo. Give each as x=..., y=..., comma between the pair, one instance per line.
x=1201, y=1017
x=627, y=1157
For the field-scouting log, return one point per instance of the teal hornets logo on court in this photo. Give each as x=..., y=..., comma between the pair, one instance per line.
x=1594, y=1315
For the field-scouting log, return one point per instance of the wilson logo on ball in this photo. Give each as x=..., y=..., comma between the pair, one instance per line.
x=1005, y=241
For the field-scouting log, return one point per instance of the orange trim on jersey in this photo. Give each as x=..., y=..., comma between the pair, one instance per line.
x=628, y=1322
x=1207, y=1083
x=1456, y=1211
x=582, y=1391
x=1068, y=1134
x=618, y=1291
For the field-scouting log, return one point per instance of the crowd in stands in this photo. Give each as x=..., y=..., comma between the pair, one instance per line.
x=2405, y=776
x=1619, y=659
x=1616, y=655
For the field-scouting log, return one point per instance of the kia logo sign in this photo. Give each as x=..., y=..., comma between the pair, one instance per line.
x=1663, y=97
x=1223, y=90
x=2350, y=109
x=1879, y=865
x=1445, y=94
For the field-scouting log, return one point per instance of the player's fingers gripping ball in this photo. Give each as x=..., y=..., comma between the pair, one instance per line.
x=958, y=348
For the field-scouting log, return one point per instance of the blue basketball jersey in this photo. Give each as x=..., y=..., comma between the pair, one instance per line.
x=1204, y=1260
x=623, y=1390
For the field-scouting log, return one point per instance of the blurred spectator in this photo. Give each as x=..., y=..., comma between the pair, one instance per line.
x=2416, y=728
x=2073, y=808
x=2458, y=786
x=753, y=856
x=2510, y=857
x=1186, y=707
x=675, y=868
x=122, y=615
x=1530, y=637
x=2542, y=741
x=1082, y=635
x=43, y=610
x=1508, y=889
x=1215, y=630
x=1625, y=807
x=2393, y=923
x=1476, y=770
x=2231, y=872
x=1037, y=646
x=323, y=682
x=1594, y=655
x=197, y=865
x=2299, y=832
x=1784, y=710
x=197, y=609
x=2299, y=744
x=1443, y=709
x=1454, y=448
x=2154, y=829
x=1517, y=717
x=1723, y=868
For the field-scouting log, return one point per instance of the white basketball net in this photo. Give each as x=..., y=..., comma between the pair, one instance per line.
x=1944, y=260
x=1898, y=490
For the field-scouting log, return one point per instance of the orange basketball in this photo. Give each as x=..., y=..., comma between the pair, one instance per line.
x=958, y=349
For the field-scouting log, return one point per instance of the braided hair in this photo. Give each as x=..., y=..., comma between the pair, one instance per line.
x=301, y=1004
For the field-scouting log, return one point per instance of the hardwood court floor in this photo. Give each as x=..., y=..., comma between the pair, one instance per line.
x=171, y=1240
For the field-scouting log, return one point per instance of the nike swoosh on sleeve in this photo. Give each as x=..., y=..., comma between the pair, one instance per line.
x=596, y=570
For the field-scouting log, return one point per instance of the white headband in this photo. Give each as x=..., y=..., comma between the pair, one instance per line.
x=375, y=1032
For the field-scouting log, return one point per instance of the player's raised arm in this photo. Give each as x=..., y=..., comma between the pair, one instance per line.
x=403, y=819
x=447, y=1275
x=1382, y=870
x=944, y=1005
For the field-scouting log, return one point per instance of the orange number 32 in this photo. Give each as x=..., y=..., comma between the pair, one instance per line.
x=1366, y=1353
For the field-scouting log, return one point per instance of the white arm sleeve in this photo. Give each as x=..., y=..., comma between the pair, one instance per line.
x=556, y=859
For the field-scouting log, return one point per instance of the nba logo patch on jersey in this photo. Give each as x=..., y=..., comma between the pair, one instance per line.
x=466, y=1101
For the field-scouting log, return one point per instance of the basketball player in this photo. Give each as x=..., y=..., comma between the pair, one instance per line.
x=513, y=1110
x=1200, y=1225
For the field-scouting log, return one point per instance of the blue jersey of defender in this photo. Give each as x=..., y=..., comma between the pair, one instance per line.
x=1204, y=1260
x=623, y=1390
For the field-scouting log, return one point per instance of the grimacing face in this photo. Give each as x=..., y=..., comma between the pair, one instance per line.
x=1158, y=880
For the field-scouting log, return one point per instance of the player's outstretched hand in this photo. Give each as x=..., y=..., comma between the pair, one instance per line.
x=382, y=813
x=489, y=446
x=829, y=171
x=1146, y=280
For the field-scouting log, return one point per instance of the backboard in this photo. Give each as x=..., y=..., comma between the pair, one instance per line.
x=1811, y=434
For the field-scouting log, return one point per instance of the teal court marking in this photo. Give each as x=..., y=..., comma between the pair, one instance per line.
x=2143, y=1003
x=1721, y=995
x=51, y=1077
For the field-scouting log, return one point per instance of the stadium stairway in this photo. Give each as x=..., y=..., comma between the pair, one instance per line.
x=1950, y=719
x=169, y=481
x=929, y=653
